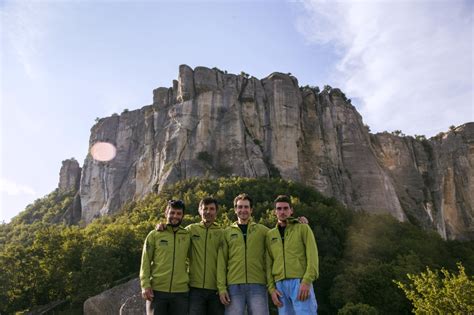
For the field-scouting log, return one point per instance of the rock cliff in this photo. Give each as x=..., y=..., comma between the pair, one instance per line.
x=69, y=175
x=212, y=124
x=69, y=180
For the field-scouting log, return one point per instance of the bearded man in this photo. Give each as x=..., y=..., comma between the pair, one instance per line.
x=163, y=272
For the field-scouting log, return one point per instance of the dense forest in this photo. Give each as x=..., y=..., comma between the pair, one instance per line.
x=361, y=255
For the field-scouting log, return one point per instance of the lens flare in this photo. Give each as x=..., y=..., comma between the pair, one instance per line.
x=103, y=151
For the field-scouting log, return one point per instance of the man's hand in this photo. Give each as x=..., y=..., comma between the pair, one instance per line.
x=303, y=220
x=275, y=298
x=160, y=227
x=303, y=293
x=224, y=297
x=147, y=294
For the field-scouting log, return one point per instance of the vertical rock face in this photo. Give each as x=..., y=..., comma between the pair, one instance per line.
x=434, y=180
x=455, y=171
x=336, y=156
x=69, y=175
x=212, y=124
x=412, y=167
x=69, y=180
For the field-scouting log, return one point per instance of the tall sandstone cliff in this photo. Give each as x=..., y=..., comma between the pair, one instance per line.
x=214, y=124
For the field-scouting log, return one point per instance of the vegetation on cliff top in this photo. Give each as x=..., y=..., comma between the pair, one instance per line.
x=360, y=255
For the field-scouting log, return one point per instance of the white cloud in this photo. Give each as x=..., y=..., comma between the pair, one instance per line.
x=14, y=189
x=410, y=63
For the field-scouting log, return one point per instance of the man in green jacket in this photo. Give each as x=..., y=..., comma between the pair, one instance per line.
x=206, y=237
x=292, y=262
x=163, y=271
x=241, y=263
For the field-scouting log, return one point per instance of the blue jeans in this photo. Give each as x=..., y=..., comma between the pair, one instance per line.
x=291, y=305
x=252, y=297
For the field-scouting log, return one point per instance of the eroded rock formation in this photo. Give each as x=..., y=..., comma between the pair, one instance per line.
x=212, y=124
x=69, y=175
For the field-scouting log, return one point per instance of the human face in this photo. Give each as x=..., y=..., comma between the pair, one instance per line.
x=243, y=211
x=283, y=211
x=174, y=216
x=208, y=213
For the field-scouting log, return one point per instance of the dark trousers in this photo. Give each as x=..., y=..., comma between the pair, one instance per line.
x=204, y=302
x=165, y=303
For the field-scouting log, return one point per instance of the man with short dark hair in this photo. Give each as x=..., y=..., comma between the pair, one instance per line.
x=163, y=271
x=206, y=237
x=292, y=262
x=241, y=263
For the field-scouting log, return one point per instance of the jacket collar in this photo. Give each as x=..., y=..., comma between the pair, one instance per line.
x=251, y=222
x=212, y=226
x=290, y=221
x=170, y=228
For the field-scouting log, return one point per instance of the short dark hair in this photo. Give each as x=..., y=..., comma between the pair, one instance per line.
x=283, y=198
x=207, y=201
x=242, y=196
x=176, y=204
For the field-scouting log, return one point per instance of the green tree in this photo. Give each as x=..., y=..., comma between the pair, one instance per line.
x=431, y=293
x=43, y=260
x=244, y=74
x=357, y=309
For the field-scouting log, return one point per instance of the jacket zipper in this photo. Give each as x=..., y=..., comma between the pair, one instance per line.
x=174, y=251
x=283, y=244
x=205, y=256
x=245, y=243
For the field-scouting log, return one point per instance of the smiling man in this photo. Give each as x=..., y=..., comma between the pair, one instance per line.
x=241, y=263
x=163, y=271
x=205, y=240
x=292, y=262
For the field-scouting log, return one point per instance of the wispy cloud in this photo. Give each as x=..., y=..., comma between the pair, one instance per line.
x=15, y=189
x=26, y=29
x=410, y=63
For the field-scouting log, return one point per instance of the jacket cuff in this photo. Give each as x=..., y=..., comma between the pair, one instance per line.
x=145, y=284
x=307, y=280
x=271, y=287
x=222, y=291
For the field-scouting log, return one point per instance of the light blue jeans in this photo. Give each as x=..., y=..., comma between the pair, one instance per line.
x=254, y=297
x=291, y=305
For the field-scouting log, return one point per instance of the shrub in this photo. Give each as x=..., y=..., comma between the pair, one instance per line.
x=431, y=293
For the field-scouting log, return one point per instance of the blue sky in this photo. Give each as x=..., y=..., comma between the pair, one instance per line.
x=405, y=64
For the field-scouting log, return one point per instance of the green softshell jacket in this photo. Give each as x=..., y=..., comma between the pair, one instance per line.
x=203, y=255
x=241, y=262
x=296, y=258
x=164, y=264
